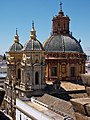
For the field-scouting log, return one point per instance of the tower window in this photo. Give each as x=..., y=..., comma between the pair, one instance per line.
x=36, y=78
x=58, y=27
x=64, y=27
x=54, y=71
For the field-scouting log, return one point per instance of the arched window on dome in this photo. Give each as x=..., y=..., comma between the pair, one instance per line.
x=36, y=78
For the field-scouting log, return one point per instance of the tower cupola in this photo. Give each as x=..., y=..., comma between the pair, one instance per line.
x=16, y=37
x=33, y=32
x=60, y=23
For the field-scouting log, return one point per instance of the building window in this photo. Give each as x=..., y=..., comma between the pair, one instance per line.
x=36, y=78
x=19, y=74
x=72, y=71
x=58, y=27
x=54, y=71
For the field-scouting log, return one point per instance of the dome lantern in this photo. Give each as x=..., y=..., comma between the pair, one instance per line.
x=61, y=40
x=60, y=23
x=33, y=32
x=33, y=43
x=16, y=45
x=16, y=37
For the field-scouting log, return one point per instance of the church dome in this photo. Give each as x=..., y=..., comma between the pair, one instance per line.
x=16, y=45
x=62, y=43
x=33, y=43
x=61, y=39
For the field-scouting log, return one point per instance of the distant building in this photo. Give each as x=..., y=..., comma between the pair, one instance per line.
x=43, y=108
x=87, y=66
x=3, y=72
x=1, y=57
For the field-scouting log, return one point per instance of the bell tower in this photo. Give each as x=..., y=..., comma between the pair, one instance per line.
x=60, y=23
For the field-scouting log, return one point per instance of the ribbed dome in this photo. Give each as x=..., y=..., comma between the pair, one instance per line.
x=16, y=47
x=33, y=45
x=62, y=43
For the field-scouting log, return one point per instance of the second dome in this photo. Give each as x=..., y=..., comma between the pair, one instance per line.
x=33, y=43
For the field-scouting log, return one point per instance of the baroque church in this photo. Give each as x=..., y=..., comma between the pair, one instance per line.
x=32, y=66
x=65, y=59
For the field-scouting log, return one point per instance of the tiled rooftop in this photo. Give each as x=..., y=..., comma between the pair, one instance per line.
x=57, y=104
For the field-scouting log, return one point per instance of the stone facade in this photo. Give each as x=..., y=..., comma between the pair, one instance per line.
x=69, y=65
x=32, y=73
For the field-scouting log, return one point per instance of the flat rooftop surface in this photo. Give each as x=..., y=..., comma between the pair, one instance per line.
x=68, y=86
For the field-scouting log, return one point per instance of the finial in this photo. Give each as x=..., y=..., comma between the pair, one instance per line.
x=16, y=32
x=33, y=32
x=33, y=24
x=16, y=37
x=79, y=40
x=60, y=6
